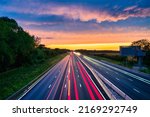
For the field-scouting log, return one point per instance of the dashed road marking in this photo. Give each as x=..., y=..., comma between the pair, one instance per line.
x=80, y=85
x=130, y=79
x=117, y=78
x=136, y=90
x=49, y=86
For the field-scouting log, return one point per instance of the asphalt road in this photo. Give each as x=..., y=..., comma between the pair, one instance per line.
x=134, y=85
x=67, y=80
x=70, y=79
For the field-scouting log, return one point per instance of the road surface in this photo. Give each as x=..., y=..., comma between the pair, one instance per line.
x=134, y=85
x=71, y=79
x=68, y=80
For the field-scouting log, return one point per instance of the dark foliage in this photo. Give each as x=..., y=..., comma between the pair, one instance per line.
x=18, y=48
x=145, y=46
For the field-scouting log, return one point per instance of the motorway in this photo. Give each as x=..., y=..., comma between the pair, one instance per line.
x=136, y=86
x=71, y=79
x=67, y=80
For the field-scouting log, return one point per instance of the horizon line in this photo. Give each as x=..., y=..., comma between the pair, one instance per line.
x=96, y=46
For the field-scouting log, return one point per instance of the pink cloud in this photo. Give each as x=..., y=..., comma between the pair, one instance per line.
x=130, y=8
x=79, y=12
x=128, y=34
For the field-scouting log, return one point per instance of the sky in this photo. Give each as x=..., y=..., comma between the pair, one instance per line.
x=82, y=24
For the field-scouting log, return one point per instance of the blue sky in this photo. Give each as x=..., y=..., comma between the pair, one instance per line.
x=59, y=19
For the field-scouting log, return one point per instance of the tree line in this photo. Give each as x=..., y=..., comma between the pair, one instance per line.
x=144, y=44
x=18, y=47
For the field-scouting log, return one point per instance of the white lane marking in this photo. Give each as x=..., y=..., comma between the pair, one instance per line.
x=136, y=90
x=93, y=82
x=80, y=85
x=117, y=78
x=130, y=79
x=65, y=85
x=34, y=84
x=78, y=75
x=49, y=86
x=122, y=71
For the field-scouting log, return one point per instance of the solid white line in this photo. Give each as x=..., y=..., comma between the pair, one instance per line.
x=43, y=76
x=136, y=90
x=93, y=81
x=123, y=71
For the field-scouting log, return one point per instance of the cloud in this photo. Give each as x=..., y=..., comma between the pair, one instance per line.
x=130, y=8
x=90, y=26
x=81, y=21
x=110, y=35
x=135, y=11
x=80, y=12
x=26, y=23
x=48, y=37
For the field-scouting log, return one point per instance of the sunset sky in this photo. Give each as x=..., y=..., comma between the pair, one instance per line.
x=82, y=24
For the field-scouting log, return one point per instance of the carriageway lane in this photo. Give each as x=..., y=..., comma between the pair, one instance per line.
x=128, y=83
x=67, y=80
x=42, y=90
x=78, y=85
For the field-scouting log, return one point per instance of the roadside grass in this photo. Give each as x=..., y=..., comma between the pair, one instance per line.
x=13, y=80
x=146, y=70
x=113, y=61
x=120, y=63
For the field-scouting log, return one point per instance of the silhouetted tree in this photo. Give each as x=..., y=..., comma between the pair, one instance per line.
x=145, y=46
x=143, y=43
x=17, y=47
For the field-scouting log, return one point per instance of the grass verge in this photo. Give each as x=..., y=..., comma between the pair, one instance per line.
x=12, y=81
x=146, y=70
x=112, y=61
x=120, y=63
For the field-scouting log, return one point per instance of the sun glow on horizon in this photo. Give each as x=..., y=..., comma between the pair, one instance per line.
x=97, y=46
x=89, y=40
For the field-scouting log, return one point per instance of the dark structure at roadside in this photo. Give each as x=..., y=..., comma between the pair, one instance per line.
x=134, y=51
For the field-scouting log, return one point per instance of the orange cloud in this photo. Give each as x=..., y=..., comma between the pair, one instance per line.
x=90, y=37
